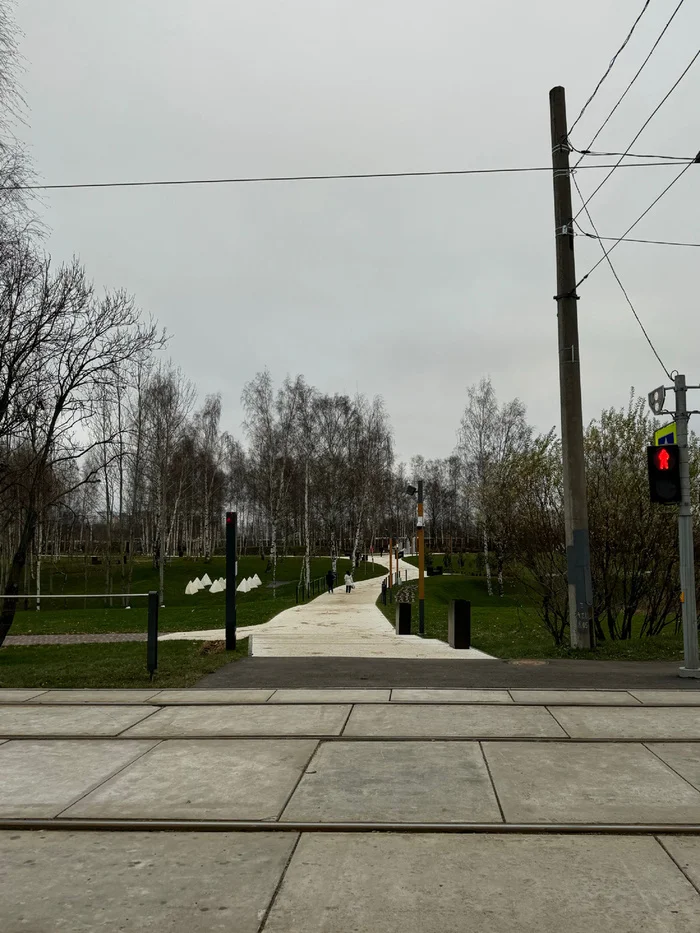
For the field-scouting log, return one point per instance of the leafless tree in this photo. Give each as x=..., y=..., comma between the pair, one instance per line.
x=77, y=344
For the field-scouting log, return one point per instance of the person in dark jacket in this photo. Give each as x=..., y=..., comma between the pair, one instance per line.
x=330, y=580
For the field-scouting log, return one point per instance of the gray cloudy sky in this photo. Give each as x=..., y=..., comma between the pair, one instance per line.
x=409, y=288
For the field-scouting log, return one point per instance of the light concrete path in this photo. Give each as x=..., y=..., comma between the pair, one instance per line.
x=331, y=781
x=339, y=625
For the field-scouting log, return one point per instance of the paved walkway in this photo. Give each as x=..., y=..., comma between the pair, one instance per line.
x=339, y=625
x=282, y=811
x=87, y=639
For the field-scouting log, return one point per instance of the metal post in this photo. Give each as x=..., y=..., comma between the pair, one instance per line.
x=391, y=568
x=575, y=502
x=421, y=561
x=685, y=540
x=152, y=647
x=231, y=568
x=38, y=583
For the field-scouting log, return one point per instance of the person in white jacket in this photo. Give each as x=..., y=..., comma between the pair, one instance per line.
x=349, y=582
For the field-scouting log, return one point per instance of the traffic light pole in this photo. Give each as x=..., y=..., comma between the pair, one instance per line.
x=578, y=552
x=421, y=561
x=691, y=667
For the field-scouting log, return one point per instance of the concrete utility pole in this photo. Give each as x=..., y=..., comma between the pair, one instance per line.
x=421, y=561
x=575, y=503
x=685, y=539
x=231, y=570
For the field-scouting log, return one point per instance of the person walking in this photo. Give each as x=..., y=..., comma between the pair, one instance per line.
x=330, y=580
x=349, y=583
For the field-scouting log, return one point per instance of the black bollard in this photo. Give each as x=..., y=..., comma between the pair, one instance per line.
x=152, y=645
x=403, y=618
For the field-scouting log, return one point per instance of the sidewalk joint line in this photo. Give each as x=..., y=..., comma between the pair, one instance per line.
x=275, y=893
x=493, y=783
x=109, y=777
x=680, y=868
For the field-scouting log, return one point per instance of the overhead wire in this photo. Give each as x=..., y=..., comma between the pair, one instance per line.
x=631, y=83
x=640, y=131
x=606, y=256
x=633, y=225
x=612, y=63
x=595, y=236
x=162, y=182
x=630, y=155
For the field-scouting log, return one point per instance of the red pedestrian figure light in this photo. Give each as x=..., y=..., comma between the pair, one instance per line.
x=663, y=459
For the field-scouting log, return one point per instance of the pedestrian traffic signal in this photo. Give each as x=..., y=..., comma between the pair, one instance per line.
x=664, y=474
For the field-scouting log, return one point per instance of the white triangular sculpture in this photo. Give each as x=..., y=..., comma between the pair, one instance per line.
x=215, y=587
x=243, y=587
x=222, y=581
x=196, y=585
x=190, y=590
x=258, y=581
x=205, y=580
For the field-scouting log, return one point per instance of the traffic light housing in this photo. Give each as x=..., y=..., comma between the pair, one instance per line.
x=664, y=474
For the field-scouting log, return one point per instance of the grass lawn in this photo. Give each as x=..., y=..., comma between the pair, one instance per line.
x=180, y=664
x=509, y=627
x=438, y=561
x=181, y=613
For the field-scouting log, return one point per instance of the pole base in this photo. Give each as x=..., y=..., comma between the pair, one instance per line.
x=689, y=672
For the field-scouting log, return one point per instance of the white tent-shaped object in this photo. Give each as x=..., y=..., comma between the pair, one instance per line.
x=252, y=583
x=258, y=581
x=205, y=580
x=215, y=587
x=190, y=589
x=196, y=585
x=242, y=587
x=222, y=582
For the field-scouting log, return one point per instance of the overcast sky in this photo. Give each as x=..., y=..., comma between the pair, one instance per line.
x=408, y=288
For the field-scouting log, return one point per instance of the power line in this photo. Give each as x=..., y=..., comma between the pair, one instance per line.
x=619, y=240
x=634, y=155
x=291, y=178
x=644, y=126
x=595, y=236
x=631, y=83
x=610, y=66
x=606, y=256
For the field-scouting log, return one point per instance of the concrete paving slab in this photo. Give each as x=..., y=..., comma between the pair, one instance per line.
x=69, y=720
x=482, y=884
x=183, y=721
x=74, y=697
x=193, y=697
x=139, y=882
x=588, y=782
x=450, y=696
x=683, y=758
x=405, y=781
x=668, y=697
x=331, y=696
x=685, y=850
x=15, y=695
x=203, y=779
x=638, y=723
x=443, y=721
x=574, y=697
x=40, y=779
